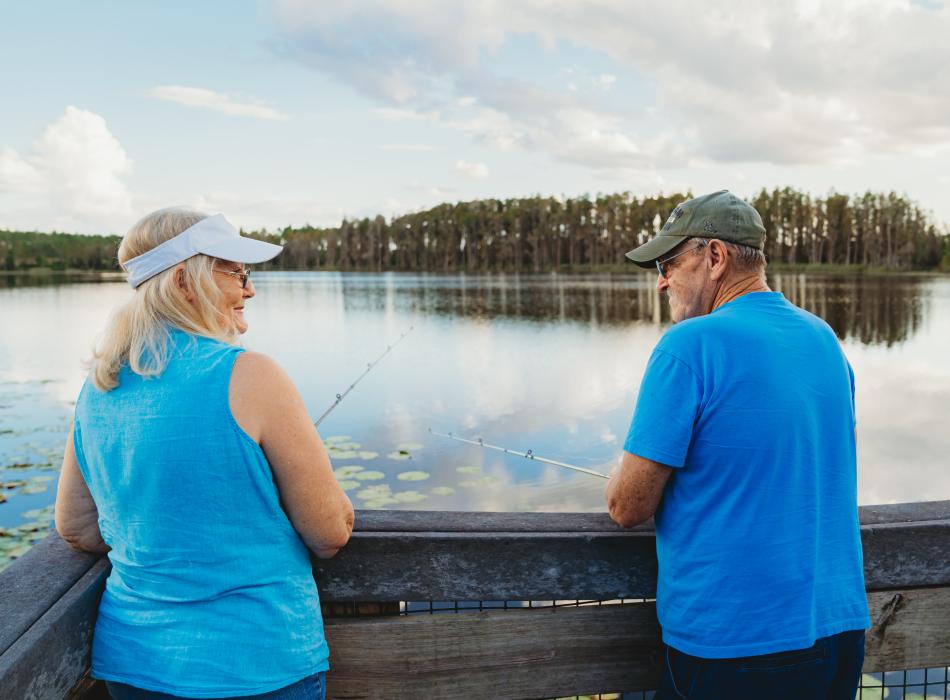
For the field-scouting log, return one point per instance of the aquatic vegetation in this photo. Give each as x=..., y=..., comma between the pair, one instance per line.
x=376, y=491
x=413, y=476
x=347, y=471
x=368, y=454
x=346, y=446
x=380, y=503
x=408, y=496
x=442, y=490
x=371, y=475
x=333, y=439
x=400, y=455
x=344, y=454
x=16, y=541
x=409, y=446
x=349, y=484
x=469, y=470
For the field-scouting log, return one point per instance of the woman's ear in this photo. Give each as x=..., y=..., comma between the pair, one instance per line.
x=183, y=284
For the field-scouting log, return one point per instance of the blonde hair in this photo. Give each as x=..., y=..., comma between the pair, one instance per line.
x=137, y=332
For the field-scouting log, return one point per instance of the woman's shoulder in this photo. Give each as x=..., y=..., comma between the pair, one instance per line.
x=257, y=375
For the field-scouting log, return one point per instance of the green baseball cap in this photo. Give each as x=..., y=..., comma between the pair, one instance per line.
x=719, y=215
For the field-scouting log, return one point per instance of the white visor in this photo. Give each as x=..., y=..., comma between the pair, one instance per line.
x=214, y=236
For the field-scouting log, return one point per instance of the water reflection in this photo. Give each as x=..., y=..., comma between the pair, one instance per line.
x=874, y=309
x=550, y=363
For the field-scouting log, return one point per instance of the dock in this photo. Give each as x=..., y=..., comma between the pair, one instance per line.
x=513, y=605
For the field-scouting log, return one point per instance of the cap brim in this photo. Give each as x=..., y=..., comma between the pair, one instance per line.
x=647, y=254
x=242, y=250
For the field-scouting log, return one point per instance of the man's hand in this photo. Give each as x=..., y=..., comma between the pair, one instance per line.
x=635, y=488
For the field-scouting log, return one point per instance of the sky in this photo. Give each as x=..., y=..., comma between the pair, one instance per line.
x=293, y=112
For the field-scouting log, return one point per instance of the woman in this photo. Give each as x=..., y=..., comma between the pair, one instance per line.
x=196, y=466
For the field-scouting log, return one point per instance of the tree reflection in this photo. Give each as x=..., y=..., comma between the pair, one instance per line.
x=875, y=309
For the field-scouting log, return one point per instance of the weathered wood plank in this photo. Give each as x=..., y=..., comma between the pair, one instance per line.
x=511, y=654
x=51, y=656
x=490, y=566
x=548, y=653
x=904, y=512
x=34, y=582
x=912, y=555
x=544, y=564
x=460, y=521
x=911, y=629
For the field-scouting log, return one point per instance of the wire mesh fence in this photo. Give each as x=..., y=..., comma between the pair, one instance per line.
x=906, y=684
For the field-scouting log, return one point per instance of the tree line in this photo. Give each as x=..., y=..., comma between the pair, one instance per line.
x=538, y=234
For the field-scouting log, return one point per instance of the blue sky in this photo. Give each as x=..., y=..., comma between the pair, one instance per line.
x=294, y=112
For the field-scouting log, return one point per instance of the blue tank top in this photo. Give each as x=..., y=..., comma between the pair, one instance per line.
x=211, y=592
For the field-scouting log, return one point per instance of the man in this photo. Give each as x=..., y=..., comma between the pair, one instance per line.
x=742, y=445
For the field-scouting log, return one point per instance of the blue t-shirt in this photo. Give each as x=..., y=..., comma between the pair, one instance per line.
x=757, y=535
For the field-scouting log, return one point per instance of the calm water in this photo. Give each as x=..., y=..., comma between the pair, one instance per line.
x=546, y=363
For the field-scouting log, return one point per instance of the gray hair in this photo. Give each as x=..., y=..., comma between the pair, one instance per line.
x=747, y=258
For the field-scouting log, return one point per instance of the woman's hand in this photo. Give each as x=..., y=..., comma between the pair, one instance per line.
x=267, y=405
x=77, y=519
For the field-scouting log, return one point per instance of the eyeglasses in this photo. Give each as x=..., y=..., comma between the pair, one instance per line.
x=661, y=265
x=242, y=275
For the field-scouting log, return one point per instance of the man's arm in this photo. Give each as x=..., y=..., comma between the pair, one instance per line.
x=635, y=488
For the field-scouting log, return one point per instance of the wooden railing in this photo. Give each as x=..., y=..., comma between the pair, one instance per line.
x=48, y=602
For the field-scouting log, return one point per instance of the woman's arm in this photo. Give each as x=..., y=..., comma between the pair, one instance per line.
x=77, y=519
x=267, y=405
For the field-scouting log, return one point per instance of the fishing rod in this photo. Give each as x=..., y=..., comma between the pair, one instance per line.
x=527, y=455
x=369, y=366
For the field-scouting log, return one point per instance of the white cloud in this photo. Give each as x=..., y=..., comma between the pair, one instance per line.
x=214, y=101
x=808, y=82
x=476, y=171
x=406, y=147
x=73, y=178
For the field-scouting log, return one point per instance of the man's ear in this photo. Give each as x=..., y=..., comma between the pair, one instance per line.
x=182, y=284
x=718, y=259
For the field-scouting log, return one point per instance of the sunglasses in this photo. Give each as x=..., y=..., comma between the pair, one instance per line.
x=242, y=275
x=661, y=265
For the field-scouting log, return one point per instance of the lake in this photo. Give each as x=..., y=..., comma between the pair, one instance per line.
x=548, y=363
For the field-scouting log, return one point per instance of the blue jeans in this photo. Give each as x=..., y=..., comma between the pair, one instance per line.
x=310, y=688
x=829, y=670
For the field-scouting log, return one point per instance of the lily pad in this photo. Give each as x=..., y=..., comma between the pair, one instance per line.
x=344, y=454
x=469, y=470
x=344, y=446
x=409, y=496
x=380, y=503
x=368, y=454
x=13, y=484
x=409, y=446
x=400, y=455
x=413, y=476
x=336, y=438
x=373, y=492
x=371, y=475
x=349, y=484
x=443, y=490
x=347, y=471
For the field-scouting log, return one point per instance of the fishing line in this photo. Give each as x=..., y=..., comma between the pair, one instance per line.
x=369, y=366
x=527, y=455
